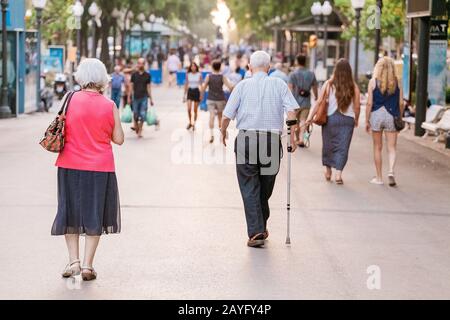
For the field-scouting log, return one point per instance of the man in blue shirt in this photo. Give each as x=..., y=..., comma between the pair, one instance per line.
x=258, y=104
x=279, y=73
x=117, y=80
x=302, y=83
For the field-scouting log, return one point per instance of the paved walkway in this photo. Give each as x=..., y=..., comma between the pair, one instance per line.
x=184, y=230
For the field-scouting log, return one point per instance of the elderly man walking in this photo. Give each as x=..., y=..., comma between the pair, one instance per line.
x=258, y=104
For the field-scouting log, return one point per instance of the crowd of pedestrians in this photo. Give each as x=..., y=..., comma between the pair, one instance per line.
x=88, y=199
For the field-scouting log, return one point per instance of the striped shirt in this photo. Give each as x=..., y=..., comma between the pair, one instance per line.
x=259, y=103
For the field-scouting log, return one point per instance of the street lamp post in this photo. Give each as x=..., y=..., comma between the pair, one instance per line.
x=358, y=5
x=5, y=110
x=93, y=11
x=152, y=20
x=77, y=11
x=316, y=11
x=141, y=18
x=327, y=9
x=378, y=31
x=115, y=14
x=39, y=5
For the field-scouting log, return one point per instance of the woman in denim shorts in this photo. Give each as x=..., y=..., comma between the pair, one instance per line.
x=383, y=105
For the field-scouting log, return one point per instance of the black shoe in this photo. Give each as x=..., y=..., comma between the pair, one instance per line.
x=256, y=241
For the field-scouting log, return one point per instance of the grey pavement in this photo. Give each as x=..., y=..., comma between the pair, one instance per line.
x=183, y=228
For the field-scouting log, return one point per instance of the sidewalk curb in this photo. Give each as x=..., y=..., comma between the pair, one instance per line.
x=426, y=143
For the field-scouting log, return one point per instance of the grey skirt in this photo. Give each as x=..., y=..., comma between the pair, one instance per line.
x=337, y=135
x=88, y=203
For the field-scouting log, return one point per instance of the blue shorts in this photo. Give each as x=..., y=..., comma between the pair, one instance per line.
x=140, y=107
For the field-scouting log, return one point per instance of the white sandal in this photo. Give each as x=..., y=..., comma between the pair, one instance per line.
x=376, y=181
x=88, y=276
x=71, y=270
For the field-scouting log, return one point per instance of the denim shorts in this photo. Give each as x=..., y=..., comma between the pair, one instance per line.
x=140, y=107
x=382, y=120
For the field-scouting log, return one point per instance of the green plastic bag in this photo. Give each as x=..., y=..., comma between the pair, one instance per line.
x=152, y=119
x=127, y=114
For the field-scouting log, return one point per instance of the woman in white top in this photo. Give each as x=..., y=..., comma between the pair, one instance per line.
x=192, y=94
x=343, y=116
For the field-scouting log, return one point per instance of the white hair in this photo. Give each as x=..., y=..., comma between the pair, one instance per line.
x=260, y=59
x=92, y=72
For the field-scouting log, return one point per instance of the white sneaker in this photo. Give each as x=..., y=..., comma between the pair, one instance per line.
x=376, y=181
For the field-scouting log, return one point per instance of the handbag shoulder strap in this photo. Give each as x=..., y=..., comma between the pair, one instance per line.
x=66, y=102
x=326, y=92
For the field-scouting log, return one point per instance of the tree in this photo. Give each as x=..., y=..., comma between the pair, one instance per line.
x=58, y=13
x=252, y=16
x=392, y=21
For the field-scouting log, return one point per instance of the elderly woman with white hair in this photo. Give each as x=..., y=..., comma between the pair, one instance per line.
x=258, y=104
x=88, y=197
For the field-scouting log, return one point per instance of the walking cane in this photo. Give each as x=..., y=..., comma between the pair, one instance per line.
x=289, y=123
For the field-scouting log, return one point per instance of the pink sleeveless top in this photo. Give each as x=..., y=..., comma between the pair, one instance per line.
x=89, y=128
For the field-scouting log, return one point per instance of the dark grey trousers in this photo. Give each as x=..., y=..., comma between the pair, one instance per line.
x=258, y=156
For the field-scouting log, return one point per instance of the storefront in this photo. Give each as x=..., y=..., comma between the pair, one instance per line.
x=17, y=70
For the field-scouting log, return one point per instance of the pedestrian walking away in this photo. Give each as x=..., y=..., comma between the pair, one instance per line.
x=173, y=65
x=258, y=104
x=192, y=93
x=216, y=102
x=235, y=77
x=343, y=116
x=384, y=108
x=279, y=72
x=117, y=82
x=302, y=83
x=141, y=91
x=127, y=71
x=88, y=197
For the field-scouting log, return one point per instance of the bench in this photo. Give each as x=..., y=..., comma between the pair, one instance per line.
x=439, y=128
x=434, y=113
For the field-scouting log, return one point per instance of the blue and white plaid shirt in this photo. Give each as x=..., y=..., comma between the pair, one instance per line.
x=259, y=103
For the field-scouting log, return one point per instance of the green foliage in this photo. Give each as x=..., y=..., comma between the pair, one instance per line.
x=252, y=15
x=54, y=21
x=57, y=14
x=392, y=20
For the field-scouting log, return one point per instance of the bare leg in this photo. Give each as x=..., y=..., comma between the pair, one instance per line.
x=338, y=175
x=195, y=111
x=301, y=132
x=89, y=251
x=377, y=152
x=212, y=115
x=140, y=128
x=189, y=110
x=219, y=117
x=328, y=173
x=392, y=149
x=73, y=246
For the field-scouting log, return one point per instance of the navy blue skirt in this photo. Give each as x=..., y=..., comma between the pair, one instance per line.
x=88, y=203
x=337, y=136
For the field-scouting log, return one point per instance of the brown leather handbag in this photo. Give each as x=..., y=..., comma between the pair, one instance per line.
x=321, y=116
x=53, y=139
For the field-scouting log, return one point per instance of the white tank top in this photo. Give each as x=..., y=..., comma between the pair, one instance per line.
x=333, y=105
x=194, y=80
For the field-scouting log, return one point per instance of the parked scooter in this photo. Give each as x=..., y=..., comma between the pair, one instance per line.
x=61, y=85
